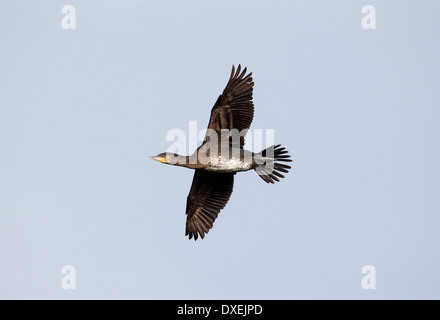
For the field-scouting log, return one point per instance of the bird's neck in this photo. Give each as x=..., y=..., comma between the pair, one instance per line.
x=179, y=160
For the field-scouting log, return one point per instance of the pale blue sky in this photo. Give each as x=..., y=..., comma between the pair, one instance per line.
x=82, y=109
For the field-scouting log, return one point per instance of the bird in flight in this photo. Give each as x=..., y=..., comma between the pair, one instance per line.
x=221, y=155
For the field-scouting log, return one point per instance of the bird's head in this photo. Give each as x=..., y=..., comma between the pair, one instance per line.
x=165, y=157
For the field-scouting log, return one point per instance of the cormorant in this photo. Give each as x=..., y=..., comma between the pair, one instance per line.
x=221, y=155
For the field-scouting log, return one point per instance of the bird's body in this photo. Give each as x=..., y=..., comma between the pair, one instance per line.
x=226, y=164
x=222, y=155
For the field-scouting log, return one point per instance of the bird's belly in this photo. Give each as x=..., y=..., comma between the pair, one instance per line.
x=229, y=165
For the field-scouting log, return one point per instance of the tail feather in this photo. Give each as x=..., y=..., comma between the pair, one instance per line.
x=268, y=168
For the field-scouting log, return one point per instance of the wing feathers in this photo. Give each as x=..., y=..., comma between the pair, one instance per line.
x=234, y=108
x=210, y=192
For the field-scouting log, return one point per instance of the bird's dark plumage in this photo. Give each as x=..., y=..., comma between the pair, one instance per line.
x=210, y=191
x=234, y=108
x=213, y=180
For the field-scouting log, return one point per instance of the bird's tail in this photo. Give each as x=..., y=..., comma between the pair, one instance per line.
x=268, y=166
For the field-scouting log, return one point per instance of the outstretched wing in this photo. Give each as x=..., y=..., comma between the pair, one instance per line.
x=234, y=108
x=210, y=192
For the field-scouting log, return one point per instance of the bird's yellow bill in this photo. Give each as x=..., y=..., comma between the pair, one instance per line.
x=160, y=159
